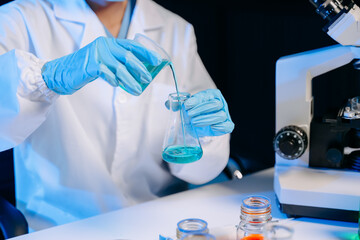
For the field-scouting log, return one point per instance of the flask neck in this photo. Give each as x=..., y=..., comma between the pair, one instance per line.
x=177, y=99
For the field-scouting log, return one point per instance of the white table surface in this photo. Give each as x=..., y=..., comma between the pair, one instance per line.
x=218, y=204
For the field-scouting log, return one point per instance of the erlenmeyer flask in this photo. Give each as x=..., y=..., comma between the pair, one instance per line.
x=181, y=143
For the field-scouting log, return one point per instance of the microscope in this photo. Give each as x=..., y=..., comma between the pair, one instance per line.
x=317, y=156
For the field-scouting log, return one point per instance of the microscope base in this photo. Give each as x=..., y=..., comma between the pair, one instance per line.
x=316, y=212
x=318, y=193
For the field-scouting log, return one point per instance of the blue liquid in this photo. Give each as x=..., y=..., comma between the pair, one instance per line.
x=182, y=154
x=177, y=153
x=174, y=75
x=153, y=70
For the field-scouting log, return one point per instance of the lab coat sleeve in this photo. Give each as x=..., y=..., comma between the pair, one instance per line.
x=216, y=150
x=24, y=97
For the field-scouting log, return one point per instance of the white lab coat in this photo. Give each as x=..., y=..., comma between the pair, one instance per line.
x=99, y=149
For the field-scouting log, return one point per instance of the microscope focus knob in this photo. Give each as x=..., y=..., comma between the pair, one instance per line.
x=290, y=142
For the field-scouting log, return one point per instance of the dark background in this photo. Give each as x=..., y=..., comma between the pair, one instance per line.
x=239, y=43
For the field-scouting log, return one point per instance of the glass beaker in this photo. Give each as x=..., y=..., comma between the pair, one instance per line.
x=181, y=143
x=255, y=214
x=153, y=46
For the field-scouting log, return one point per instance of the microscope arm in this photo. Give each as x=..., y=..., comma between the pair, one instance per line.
x=294, y=76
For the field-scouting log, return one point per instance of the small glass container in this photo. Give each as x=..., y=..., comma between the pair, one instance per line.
x=355, y=104
x=198, y=236
x=255, y=214
x=151, y=45
x=191, y=226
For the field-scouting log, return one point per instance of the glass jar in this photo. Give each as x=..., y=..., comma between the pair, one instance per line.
x=191, y=226
x=198, y=236
x=255, y=213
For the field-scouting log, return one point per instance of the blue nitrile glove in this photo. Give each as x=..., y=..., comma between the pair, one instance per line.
x=209, y=113
x=119, y=62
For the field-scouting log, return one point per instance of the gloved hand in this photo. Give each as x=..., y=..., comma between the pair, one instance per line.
x=209, y=113
x=119, y=62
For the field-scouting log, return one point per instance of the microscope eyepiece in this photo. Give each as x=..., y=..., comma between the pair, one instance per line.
x=328, y=9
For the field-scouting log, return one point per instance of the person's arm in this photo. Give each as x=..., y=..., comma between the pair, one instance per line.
x=24, y=97
x=29, y=85
x=215, y=144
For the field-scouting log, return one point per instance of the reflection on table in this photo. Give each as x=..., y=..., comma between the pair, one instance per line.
x=218, y=204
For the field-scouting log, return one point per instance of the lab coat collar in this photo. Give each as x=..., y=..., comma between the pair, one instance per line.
x=145, y=16
x=71, y=10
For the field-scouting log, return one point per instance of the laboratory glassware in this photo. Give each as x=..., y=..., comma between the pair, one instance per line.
x=255, y=214
x=191, y=226
x=181, y=143
x=153, y=46
x=199, y=236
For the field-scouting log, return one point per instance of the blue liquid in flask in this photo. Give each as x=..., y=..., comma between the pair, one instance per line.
x=181, y=153
x=154, y=70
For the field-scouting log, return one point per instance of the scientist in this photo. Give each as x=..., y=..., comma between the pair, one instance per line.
x=82, y=145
